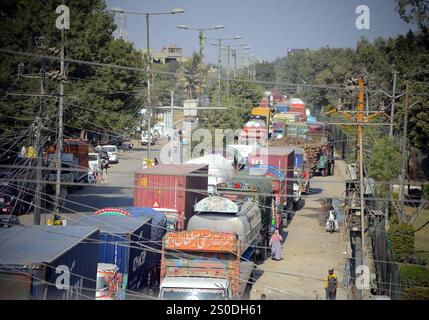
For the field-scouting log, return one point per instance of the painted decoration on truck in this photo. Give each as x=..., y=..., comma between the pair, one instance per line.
x=112, y=212
x=241, y=186
x=216, y=204
x=201, y=240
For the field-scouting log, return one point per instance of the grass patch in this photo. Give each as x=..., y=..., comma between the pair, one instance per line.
x=422, y=236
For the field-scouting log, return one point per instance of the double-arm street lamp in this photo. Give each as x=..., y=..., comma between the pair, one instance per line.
x=201, y=34
x=220, y=58
x=148, y=58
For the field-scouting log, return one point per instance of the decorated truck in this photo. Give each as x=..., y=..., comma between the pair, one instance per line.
x=213, y=259
x=263, y=189
x=202, y=265
x=254, y=132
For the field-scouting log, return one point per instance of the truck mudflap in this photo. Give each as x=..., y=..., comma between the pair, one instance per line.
x=246, y=268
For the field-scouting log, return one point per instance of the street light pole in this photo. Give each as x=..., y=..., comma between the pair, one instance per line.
x=149, y=110
x=218, y=67
x=148, y=68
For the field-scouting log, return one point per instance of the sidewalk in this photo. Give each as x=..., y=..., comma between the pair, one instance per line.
x=308, y=252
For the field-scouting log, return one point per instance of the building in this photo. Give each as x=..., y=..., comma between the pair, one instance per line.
x=167, y=54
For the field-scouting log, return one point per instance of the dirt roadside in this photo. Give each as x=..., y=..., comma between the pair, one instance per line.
x=309, y=251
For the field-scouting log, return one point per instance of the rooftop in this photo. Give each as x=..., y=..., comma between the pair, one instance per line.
x=26, y=245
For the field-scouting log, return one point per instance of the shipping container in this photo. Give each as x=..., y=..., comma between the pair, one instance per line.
x=158, y=230
x=281, y=157
x=172, y=187
x=48, y=262
x=124, y=241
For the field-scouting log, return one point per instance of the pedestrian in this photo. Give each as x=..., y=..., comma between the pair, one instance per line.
x=276, y=246
x=155, y=161
x=263, y=297
x=331, y=285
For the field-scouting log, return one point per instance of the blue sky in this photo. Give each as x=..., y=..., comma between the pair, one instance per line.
x=270, y=27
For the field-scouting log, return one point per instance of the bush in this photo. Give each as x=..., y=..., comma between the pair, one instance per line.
x=415, y=282
x=402, y=240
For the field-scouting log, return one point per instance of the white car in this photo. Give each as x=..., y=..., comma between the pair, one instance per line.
x=112, y=151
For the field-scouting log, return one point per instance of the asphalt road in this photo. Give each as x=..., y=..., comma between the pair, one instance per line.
x=117, y=189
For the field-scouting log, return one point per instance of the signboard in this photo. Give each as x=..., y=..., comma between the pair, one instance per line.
x=190, y=108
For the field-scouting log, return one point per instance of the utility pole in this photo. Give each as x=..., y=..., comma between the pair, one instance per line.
x=219, y=66
x=392, y=110
x=359, y=122
x=392, y=114
x=60, y=133
x=171, y=125
x=404, y=156
x=361, y=181
x=39, y=136
x=149, y=110
x=234, y=54
x=227, y=76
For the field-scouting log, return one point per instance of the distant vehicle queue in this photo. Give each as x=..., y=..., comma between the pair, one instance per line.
x=195, y=230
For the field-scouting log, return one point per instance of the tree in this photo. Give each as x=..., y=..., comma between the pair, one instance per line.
x=190, y=77
x=106, y=98
x=414, y=11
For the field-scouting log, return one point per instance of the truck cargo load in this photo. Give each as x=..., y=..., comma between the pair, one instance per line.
x=48, y=263
x=124, y=241
x=158, y=229
x=262, y=188
x=74, y=156
x=220, y=169
x=241, y=217
x=201, y=264
x=175, y=187
x=281, y=157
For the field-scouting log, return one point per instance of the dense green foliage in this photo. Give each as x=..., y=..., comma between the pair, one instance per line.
x=401, y=237
x=97, y=98
x=414, y=282
x=319, y=77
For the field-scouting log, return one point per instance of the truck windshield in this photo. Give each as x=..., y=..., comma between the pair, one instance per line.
x=192, y=294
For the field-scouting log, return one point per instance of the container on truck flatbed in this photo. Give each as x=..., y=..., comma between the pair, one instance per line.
x=48, y=262
x=158, y=230
x=173, y=187
x=124, y=241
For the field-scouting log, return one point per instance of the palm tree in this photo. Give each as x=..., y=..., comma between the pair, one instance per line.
x=191, y=74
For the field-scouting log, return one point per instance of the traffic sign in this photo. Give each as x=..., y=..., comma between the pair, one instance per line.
x=155, y=204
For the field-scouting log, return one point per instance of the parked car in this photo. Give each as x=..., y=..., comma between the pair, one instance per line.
x=144, y=139
x=112, y=151
x=8, y=221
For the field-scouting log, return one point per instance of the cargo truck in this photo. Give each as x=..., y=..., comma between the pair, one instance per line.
x=124, y=241
x=254, y=132
x=75, y=157
x=263, y=189
x=223, y=237
x=173, y=189
x=158, y=230
x=48, y=263
x=278, y=159
x=265, y=112
x=202, y=265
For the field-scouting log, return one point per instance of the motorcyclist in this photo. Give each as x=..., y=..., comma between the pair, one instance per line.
x=332, y=220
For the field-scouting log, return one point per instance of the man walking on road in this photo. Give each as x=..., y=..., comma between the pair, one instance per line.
x=331, y=284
